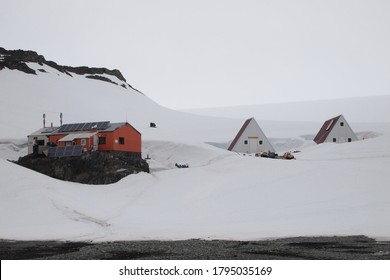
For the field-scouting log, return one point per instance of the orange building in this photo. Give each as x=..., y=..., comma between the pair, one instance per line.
x=98, y=136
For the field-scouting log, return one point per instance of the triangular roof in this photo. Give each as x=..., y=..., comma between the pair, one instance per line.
x=235, y=140
x=335, y=130
x=250, y=139
x=325, y=130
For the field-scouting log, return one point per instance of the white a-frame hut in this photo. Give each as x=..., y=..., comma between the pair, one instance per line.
x=335, y=130
x=251, y=139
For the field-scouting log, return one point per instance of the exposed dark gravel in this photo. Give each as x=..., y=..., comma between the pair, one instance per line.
x=305, y=248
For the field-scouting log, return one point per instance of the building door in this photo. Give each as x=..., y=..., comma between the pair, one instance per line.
x=253, y=144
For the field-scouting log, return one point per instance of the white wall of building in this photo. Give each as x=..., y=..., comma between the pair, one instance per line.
x=341, y=132
x=253, y=140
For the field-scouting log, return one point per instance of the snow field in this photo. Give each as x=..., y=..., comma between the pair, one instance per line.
x=331, y=189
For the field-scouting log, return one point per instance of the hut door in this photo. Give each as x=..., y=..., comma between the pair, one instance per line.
x=253, y=144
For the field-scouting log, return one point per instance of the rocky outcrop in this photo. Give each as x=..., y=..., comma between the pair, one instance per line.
x=17, y=59
x=94, y=168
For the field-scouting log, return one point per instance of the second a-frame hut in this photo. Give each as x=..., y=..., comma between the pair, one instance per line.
x=251, y=139
x=335, y=130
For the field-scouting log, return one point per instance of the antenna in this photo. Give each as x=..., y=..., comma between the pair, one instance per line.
x=61, y=119
x=44, y=120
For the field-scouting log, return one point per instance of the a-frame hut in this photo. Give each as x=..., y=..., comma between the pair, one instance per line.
x=335, y=130
x=251, y=139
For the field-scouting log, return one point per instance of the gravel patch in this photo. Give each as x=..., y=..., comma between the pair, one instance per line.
x=297, y=248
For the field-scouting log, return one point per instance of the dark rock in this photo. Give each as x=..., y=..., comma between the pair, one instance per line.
x=90, y=168
x=16, y=60
x=96, y=77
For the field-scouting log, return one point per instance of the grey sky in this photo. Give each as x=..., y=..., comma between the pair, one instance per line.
x=207, y=53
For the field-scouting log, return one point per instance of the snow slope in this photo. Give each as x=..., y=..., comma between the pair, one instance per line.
x=358, y=109
x=26, y=97
x=331, y=189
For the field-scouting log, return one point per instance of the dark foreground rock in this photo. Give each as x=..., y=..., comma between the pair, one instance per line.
x=89, y=168
x=299, y=248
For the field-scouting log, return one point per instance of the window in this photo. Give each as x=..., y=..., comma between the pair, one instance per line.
x=102, y=140
x=121, y=140
x=245, y=142
x=261, y=142
x=334, y=140
x=41, y=142
x=341, y=123
x=83, y=142
x=349, y=140
x=329, y=125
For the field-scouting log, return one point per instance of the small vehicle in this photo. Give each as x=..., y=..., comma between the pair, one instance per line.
x=288, y=155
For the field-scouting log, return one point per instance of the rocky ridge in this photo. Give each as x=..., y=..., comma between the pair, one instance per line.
x=17, y=59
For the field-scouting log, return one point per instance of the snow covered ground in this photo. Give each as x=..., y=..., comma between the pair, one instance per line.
x=331, y=189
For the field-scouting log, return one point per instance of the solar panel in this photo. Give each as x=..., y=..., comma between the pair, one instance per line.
x=102, y=125
x=93, y=125
x=74, y=127
x=64, y=127
x=78, y=126
x=65, y=151
x=51, y=152
x=77, y=150
x=84, y=126
x=60, y=152
x=68, y=151
x=69, y=127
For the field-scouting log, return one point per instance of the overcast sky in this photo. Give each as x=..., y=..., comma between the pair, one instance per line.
x=207, y=53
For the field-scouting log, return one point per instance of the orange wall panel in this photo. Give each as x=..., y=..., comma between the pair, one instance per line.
x=132, y=140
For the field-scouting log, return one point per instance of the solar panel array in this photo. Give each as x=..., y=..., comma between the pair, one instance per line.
x=84, y=126
x=67, y=151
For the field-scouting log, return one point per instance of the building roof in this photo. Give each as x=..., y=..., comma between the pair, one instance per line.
x=326, y=129
x=235, y=140
x=73, y=136
x=72, y=127
x=115, y=126
x=44, y=131
x=81, y=129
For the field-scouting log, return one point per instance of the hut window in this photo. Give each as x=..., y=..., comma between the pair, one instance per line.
x=341, y=123
x=334, y=139
x=261, y=142
x=41, y=142
x=121, y=140
x=245, y=142
x=102, y=140
x=329, y=125
x=349, y=140
x=83, y=141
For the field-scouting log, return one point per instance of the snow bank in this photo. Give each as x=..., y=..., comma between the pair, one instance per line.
x=221, y=195
x=331, y=189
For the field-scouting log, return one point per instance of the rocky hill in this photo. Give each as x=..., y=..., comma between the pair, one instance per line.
x=18, y=59
x=97, y=168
